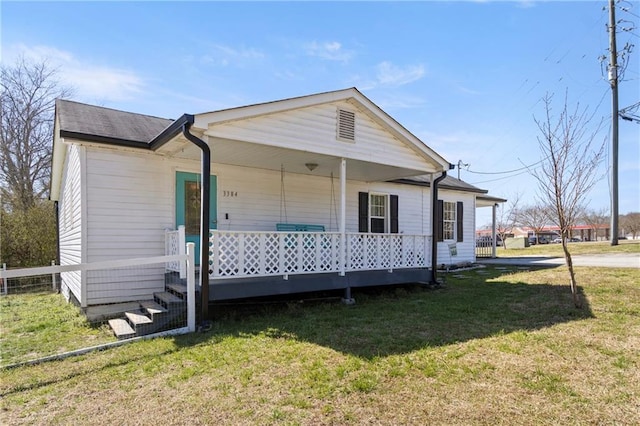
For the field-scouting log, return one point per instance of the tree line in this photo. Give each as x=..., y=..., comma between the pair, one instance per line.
x=538, y=218
x=27, y=217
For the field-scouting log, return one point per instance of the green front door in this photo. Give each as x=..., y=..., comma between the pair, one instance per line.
x=188, y=207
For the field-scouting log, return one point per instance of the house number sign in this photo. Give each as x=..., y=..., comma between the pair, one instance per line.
x=229, y=193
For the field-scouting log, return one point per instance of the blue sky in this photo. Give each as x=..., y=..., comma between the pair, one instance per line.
x=465, y=77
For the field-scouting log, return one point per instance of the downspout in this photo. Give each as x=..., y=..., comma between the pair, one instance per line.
x=204, y=219
x=434, y=228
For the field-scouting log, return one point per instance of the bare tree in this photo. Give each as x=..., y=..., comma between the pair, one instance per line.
x=596, y=220
x=569, y=169
x=535, y=217
x=506, y=217
x=27, y=102
x=631, y=223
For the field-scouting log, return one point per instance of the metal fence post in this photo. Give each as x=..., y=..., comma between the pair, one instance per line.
x=182, y=241
x=54, y=284
x=191, y=287
x=5, y=283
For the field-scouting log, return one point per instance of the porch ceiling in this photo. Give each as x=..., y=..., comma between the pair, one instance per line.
x=246, y=154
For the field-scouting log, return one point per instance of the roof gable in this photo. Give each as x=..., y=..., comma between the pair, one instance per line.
x=215, y=119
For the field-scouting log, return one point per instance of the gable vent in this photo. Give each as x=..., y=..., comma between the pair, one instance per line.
x=346, y=125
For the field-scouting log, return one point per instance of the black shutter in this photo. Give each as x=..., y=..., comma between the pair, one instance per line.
x=393, y=199
x=363, y=212
x=459, y=218
x=439, y=220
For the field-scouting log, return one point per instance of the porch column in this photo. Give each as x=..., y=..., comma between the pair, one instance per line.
x=494, y=208
x=343, y=215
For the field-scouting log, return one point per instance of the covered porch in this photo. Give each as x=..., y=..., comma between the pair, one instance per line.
x=260, y=263
x=486, y=246
x=339, y=136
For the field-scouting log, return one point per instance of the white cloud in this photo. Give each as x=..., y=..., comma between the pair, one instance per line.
x=389, y=75
x=392, y=75
x=331, y=51
x=227, y=55
x=89, y=82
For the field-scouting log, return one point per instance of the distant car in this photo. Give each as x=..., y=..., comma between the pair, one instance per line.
x=557, y=240
x=574, y=240
x=538, y=240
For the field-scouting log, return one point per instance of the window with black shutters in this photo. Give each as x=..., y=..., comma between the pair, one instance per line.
x=450, y=216
x=378, y=213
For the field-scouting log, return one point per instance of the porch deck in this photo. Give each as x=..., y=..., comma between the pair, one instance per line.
x=246, y=264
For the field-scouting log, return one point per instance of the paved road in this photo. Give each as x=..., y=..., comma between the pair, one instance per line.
x=618, y=260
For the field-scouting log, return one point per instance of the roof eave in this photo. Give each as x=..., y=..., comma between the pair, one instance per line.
x=441, y=186
x=173, y=130
x=103, y=139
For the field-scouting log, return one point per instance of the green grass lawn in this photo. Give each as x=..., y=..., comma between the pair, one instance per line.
x=495, y=346
x=555, y=250
x=35, y=325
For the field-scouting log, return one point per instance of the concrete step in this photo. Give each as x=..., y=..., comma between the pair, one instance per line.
x=121, y=328
x=179, y=290
x=141, y=323
x=153, y=309
x=168, y=300
x=107, y=312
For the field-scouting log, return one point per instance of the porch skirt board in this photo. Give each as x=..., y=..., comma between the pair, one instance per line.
x=240, y=288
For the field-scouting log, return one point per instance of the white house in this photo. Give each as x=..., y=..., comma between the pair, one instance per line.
x=319, y=192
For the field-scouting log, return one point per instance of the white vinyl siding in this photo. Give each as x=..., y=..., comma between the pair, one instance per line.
x=129, y=204
x=308, y=199
x=313, y=129
x=70, y=222
x=130, y=200
x=466, y=248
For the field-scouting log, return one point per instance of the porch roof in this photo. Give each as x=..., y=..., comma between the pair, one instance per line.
x=77, y=121
x=254, y=136
x=488, y=200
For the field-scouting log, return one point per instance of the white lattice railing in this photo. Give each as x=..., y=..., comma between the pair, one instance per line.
x=175, y=244
x=387, y=251
x=252, y=254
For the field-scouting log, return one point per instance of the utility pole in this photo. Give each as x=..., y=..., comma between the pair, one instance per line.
x=461, y=164
x=613, y=80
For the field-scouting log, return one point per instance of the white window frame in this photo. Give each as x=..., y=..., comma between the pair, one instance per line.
x=449, y=217
x=387, y=212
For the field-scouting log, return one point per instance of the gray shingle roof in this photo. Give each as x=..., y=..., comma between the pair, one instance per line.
x=449, y=182
x=89, y=120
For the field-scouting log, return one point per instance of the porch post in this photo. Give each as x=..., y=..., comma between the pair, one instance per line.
x=493, y=230
x=343, y=215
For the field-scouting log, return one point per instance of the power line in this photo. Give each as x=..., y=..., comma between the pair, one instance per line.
x=526, y=167
x=501, y=178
